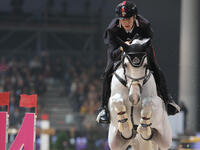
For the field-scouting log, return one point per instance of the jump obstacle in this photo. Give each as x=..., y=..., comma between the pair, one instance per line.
x=25, y=138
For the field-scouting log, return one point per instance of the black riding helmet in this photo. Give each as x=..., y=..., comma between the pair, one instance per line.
x=125, y=9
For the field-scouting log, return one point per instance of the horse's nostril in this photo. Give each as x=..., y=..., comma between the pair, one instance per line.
x=136, y=100
x=131, y=98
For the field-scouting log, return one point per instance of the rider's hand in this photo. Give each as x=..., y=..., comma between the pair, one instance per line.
x=122, y=49
x=128, y=42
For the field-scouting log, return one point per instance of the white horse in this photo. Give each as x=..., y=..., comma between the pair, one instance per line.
x=139, y=120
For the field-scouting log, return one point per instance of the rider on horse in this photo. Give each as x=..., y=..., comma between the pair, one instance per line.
x=124, y=28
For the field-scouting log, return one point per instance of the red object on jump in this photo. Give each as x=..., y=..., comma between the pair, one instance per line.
x=45, y=117
x=4, y=99
x=28, y=101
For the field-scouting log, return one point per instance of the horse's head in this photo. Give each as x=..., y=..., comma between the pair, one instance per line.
x=135, y=68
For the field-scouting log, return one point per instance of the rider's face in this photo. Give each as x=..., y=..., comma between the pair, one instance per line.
x=127, y=23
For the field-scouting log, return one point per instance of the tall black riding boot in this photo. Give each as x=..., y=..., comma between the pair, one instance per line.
x=171, y=106
x=104, y=115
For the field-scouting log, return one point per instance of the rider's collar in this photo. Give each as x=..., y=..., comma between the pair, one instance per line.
x=130, y=31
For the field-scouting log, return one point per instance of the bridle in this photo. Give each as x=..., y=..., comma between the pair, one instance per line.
x=135, y=81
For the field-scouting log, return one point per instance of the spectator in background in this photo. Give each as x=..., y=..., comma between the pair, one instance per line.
x=3, y=66
x=58, y=69
x=12, y=105
x=21, y=77
x=79, y=95
x=47, y=72
x=81, y=143
x=40, y=85
x=35, y=65
x=16, y=120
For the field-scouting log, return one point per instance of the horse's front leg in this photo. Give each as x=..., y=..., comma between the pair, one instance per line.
x=144, y=128
x=124, y=124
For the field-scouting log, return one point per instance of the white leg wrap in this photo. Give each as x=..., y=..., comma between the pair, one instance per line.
x=144, y=129
x=124, y=123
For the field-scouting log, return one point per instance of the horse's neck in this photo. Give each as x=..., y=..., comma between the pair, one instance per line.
x=120, y=71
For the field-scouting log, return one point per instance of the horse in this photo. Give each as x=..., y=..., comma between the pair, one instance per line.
x=139, y=120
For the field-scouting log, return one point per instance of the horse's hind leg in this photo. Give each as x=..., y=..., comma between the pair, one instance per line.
x=124, y=122
x=163, y=134
x=160, y=122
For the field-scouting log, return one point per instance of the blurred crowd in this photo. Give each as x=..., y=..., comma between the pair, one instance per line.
x=21, y=76
x=80, y=79
x=32, y=75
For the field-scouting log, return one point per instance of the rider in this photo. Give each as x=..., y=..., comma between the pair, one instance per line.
x=126, y=26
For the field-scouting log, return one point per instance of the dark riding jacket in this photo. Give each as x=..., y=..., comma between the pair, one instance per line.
x=142, y=27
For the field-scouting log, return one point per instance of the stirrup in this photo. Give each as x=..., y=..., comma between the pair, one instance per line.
x=105, y=114
x=172, y=108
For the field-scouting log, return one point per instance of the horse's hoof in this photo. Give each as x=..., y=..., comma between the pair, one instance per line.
x=125, y=126
x=145, y=132
x=144, y=129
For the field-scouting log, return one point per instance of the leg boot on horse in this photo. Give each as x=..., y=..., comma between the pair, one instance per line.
x=144, y=128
